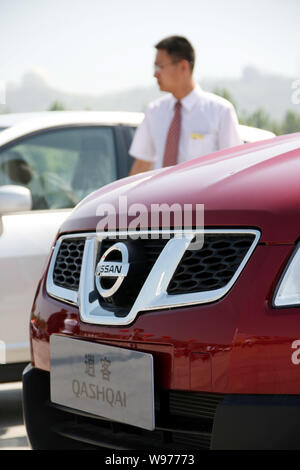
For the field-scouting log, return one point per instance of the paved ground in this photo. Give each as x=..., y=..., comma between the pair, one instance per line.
x=12, y=429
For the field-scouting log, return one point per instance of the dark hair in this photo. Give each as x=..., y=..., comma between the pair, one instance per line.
x=179, y=48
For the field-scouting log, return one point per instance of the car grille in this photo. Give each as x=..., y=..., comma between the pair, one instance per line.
x=66, y=272
x=208, y=268
x=67, y=267
x=184, y=275
x=211, y=267
x=202, y=405
x=184, y=420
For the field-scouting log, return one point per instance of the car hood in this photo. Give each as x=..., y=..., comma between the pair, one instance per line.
x=254, y=186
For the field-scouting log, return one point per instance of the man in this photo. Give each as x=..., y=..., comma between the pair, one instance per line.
x=188, y=122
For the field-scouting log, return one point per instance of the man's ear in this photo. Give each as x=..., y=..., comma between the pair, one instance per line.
x=185, y=65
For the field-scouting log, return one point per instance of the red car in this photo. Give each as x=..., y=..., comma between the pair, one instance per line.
x=142, y=339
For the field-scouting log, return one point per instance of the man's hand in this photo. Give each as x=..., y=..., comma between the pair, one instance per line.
x=139, y=166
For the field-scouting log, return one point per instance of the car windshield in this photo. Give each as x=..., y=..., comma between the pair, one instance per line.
x=60, y=167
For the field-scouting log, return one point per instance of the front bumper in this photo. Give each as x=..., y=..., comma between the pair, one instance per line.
x=185, y=420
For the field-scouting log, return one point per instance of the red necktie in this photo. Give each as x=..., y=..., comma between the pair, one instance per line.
x=171, y=148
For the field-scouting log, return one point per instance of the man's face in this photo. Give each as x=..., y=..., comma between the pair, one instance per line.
x=167, y=72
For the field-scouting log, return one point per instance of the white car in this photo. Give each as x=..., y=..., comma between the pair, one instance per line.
x=48, y=163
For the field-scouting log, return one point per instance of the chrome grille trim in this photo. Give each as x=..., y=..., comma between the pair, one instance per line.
x=153, y=295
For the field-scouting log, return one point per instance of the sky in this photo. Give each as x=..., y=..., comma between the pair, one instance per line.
x=97, y=46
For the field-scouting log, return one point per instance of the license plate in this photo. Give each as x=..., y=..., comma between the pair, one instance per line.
x=106, y=381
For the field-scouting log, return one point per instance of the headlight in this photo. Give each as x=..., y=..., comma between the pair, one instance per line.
x=288, y=290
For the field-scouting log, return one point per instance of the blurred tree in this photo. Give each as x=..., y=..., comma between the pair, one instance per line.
x=291, y=122
x=259, y=118
x=57, y=106
x=224, y=93
x=276, y=127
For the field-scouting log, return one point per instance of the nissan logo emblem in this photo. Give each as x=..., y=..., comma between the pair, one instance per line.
x=109, y=273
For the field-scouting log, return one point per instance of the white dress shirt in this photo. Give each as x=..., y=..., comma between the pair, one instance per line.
x=208, y=123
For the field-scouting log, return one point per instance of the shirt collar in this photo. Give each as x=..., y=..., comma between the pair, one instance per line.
x=189, y=100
